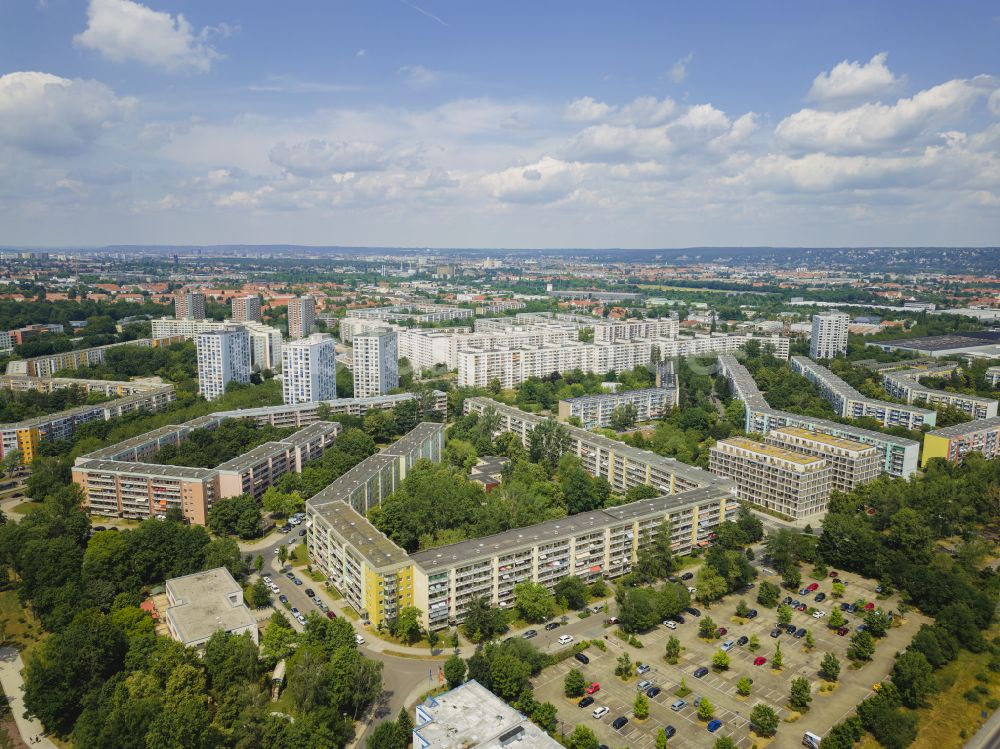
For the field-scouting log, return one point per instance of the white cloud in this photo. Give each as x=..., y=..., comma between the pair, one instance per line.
x=854, y=82
x=123, y=31
x=545, y=181
x=318, y=157
x=678, y=71
x=994, y=102
x=646, y=111
x=417, y=76
x=47, y=114
x=360, y=53
x=871, y=127
x=587, y=109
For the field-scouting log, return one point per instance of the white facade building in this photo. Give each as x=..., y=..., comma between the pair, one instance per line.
x=223, y=357
x=265, y=346
x=829, y=335
x=301, y=316
x=309, y=370
x=376, y=363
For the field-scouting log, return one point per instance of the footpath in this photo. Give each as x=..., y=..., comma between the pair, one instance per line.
x=31, y=730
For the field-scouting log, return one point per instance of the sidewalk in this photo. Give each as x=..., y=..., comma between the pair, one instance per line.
x=13, y=686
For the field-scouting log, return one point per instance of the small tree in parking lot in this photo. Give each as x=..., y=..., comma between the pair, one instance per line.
x=743, y=686
x=792, y=578
x=784, y=614
x=778, y=660
x=673, y=649
x=724, y=742
x=661, y=739
x=836, y=620
x=799, y=696
x=707, y=628
x=624, y=667
x=640, y=708
x=574, y=683
x=583, y=738
x=862, y=647
x=764, y=720
x=767, y=594
x=810, y=641
x=706, y=709
x=829, y=667
x=754, y=644
x=720, y=661
x=742, y=610
x=838, y=590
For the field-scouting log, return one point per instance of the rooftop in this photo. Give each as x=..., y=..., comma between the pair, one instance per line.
x=374, y=546
x=771, y=451
x=470, y=716
x=969, y=427
x=826, y=439
x=206, y=602
x=936, y=342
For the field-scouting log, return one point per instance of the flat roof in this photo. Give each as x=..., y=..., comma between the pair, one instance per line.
x=969, y=427
x=621, y=395
x=872, y=435
x=938, y=342
x=847, y=392
x=150, y=470
x=358, y=532
x=207, y=602
x=827, y=439
x=472, y=716
x=771, y=450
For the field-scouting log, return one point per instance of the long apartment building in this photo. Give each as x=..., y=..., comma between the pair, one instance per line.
x=955, y=442
x=24, y=437
x=418, y=313
x=898, y=455
x=905, y=385
x=775, y=478
x=49, y=364
x=597, y=410
x=993, y=376
x=851, y=463
x=432, y=404
x=378, y=578
x=117, y=482
x=851, y=404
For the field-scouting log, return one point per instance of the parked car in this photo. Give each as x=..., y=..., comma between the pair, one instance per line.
x=302, y=531
x=642, y=668
x=295, y=611
x=776, y=632
x=643, y=685
x=727, y=646
x=845, y=607
x=678, y=705
x=833, y=573
x=743, y=641
x=693, y=611
x=714, y=725
x=611, y=620
x=800, y=633
x=330, y=615
x=801, y=607
x=600, y=712
x=819, y=614
x=812, y=586
x=653, y=691
x=585, y=702
x=296, y=581
x=670, y=624
x=266, y=579
x=670, y=731
x=310, y=592
x=752, y=614
x=619, y=722
x=594, y=688
x=787, y=600
x=843, y=631
x=529, y=633
x=759, y=660
x=283, y=598
x=869, y=606
x=790, y=629
x=290, y=575
x=679, y=619
x=721, y=632
x=582, y=658
x=565, y=639
x=687, y=576
x=551, y=625
x=699, y=672
x=359, y=639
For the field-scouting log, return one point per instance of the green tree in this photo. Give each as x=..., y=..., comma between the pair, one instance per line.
x=810, y=642
x=862, y=647
x=742, y=610
x=661, y=738
x=534, y=602
x=547, y=442
x=707, y=628
x=640, y=708
x=583, y=738
x=743, y=686
x=282, y=555
x=483, y=621
x=624, y=667
x=792, y=577
x=235, y=516
x=279, y=639
x=877, y=623
x=784, y=614
x=573, y=683
x=778, y=660
x=829, y=667
x=672, y=650
x=258, y=595
x=711, y=586
x=838, y=590
x=624, y=417
x=767, y=594
x=572, y=591
x=764, y=720
x=408, y=624
x=706, y=709
x=386, y=735
x=799, y=695
x=509, y=676
x=754, y=644
x=720, y=661
x=913, y=675
x=454, y=671
x=282, y=504
x=724, y=742
x=836, y=620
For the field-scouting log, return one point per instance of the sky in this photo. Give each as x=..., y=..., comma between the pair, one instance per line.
x=430, y=123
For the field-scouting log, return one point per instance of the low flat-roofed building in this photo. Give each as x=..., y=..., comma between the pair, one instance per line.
x=792, y=483
x=472, y=717
x=852, y=463
x=488, y=471
x=204, y=603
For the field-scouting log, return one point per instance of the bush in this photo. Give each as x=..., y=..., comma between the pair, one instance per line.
x=971, y=695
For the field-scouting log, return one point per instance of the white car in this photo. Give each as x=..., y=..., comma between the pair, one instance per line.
x=565, y=639
x=692, y=590
x=819, y=614
x=359, y=639
x=266, y=579
x=294, y=521
x=670, y=624
x=601, y=712
x=727, y=646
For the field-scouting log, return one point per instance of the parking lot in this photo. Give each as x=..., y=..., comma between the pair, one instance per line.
x=770, y=687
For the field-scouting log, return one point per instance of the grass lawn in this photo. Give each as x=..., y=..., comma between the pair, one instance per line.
x=350, y=614
x=949, y=719
x=26, y=507
x=299, y=556
x=20, y=626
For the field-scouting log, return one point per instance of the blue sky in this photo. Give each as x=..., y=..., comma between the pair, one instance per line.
x=485, y=124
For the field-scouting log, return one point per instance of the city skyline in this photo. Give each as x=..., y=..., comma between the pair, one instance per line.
x=435, y=124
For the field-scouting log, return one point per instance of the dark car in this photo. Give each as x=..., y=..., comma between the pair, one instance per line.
x=776, y=632
x=820, y=597
x=296, y=581
x=693, y=611
x=752, y=614
x=843, y=631
x=310, y=592
x=528, y=634
x=800, y=633
x=700, y=672
x=671, y=579
x=283, y=598
x=330, y=615
x=619, y=722
x=845, y=607
x=853, y=608
x=687, y=576
x=669, y=731
x=790, y=629
x=302, y=532
x=585, y=702
x=653, y=691
x=714, y=725
x=582, y=658
x=551, y=625
x=290, y=575
x=679, y=619
x=743, y=641
x=788, y=600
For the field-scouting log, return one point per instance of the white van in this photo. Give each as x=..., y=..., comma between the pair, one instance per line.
x=811, y=740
